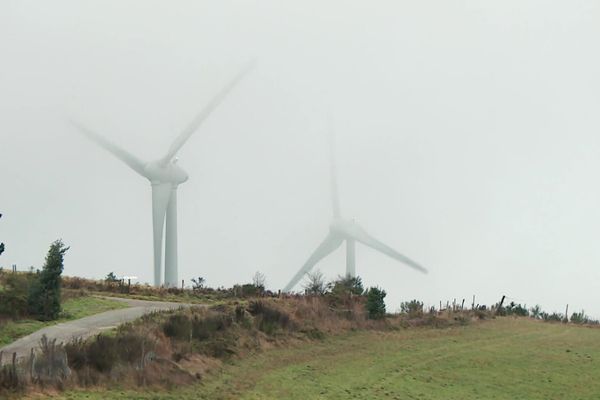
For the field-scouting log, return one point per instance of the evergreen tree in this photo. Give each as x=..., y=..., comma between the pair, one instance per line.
x=44, y=294
x=375, y=303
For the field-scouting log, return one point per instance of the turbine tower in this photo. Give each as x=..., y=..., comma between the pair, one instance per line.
x=343, y=230
x=165, y=176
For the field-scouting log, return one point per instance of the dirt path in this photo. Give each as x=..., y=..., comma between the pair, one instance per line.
x=88, y=326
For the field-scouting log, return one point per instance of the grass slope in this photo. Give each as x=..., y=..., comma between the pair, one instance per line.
x=74, y=308
x=501, y=359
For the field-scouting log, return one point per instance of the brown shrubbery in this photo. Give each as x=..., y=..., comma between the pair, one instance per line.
x=176, y=347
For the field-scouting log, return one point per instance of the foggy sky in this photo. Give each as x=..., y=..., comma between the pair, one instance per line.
x=467, y=139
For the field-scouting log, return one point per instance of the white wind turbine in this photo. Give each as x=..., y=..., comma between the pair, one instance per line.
x=165, y=176
x=341, y=230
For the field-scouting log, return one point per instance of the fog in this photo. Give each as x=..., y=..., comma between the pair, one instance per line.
x=467, y=139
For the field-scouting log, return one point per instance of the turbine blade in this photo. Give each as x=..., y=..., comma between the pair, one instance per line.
x=335, y=197
x=123, y=155
x=363, y=237
x=161, y=194
x=203, y=115
x=330, y=243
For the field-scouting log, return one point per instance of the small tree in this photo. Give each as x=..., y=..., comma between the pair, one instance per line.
x=44, y=294
x=375, y=303
x=413, y=308
x=259, y=280
x=111, y=278
x=315, y=284
x=348, y=285
x=536, y=312
x=198, y=284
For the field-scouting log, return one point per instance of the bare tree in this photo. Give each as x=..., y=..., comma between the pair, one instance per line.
x=315, y=284
x=198, y=284
x=259, y=280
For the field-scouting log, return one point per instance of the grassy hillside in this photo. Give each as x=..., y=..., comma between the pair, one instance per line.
x=73, y=308
x=501, y=359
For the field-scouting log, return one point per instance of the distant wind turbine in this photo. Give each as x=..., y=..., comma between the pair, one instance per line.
x=341, y=230
x=165, y=176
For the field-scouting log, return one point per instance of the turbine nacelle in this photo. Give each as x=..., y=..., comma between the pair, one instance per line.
x=344, y=227
x=156, y=171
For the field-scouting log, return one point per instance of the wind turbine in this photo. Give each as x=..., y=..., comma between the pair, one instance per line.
x=165, y=176
x=343, y=230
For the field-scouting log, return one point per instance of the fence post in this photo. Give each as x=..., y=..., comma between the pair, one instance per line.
x=500, y=305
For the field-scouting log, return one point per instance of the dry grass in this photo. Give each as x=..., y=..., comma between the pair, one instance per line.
x=169, y=349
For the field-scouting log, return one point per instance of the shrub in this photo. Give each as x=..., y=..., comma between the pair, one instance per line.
x=375, y=303
x=13, y=299
x=198, y=284
x=579, y=318
x=102, y=353
x=178, y=326
x=268, y=318
x=247, y=290
x=554, y=317
x=240, y=313
x=348, y=285
x=204, y=328
x=413, y=308
x=50, y=366
x=516, y=309
x=536, y=312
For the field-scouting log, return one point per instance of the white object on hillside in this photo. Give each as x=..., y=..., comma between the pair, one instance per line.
x=165, y=175
x=341, y=230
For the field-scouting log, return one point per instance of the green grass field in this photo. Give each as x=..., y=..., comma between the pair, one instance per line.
x=72, y=309
x=500, y=359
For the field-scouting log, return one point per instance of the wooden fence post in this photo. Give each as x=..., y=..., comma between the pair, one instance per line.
x=500, y=305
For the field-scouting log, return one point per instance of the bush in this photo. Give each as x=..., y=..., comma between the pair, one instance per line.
x=536, y=312
x=413, y=308
x=516, y=309
x=348, y=285
x=247, y=290
x=13, y=299
x=204, y=328
x=268, y=319
x=375, y=303
x=102, y=353
x=579, y=318
x=178, y=326
x=554, y=317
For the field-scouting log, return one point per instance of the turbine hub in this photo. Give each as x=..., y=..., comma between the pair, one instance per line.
x=157, y=172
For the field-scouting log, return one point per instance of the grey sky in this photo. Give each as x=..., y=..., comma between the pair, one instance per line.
x=467, y=139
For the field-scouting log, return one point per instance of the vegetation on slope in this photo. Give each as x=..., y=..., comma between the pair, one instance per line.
x=506, y=358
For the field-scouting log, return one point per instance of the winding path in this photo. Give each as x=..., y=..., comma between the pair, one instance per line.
x=87, y=326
